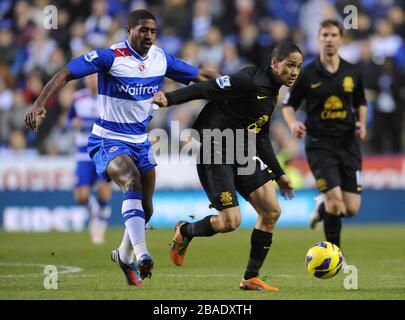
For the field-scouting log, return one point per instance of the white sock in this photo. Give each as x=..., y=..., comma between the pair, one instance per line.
x=136, y=231
x=93, y=206
x=134, y=219
x=126, y=250
x=104, y=212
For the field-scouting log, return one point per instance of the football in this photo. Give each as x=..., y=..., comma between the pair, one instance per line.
x=324, y=260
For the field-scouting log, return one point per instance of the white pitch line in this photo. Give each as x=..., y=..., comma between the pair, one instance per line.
x=219, y=275
x=65, y=269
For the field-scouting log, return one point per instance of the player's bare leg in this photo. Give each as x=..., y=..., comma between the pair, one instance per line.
x=352, y=202
x=148, y=187
x=264, y=200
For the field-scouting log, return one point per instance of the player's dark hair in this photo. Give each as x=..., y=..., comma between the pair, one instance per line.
x=135, y=16
x=331, y=23
x=283, y=50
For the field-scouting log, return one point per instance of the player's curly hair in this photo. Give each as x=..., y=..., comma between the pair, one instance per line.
x=135, y=16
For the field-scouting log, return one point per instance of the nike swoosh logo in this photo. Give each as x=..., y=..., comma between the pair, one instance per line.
x=315, y=85
x=261, y=97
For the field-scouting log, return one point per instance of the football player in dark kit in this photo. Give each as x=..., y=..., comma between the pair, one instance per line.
x=336, y=116
x=241, y=102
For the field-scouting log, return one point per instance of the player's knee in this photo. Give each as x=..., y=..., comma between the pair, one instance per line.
x=271, y=216
x=131, y=182
x=82, y=199
x=269, y=209
x=269, y=212
x=335, y=206
x=352, y=210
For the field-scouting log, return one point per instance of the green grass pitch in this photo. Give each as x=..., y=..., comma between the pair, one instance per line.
x=212, y=269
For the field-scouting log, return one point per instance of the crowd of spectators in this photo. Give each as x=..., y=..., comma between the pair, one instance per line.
x=214, y=34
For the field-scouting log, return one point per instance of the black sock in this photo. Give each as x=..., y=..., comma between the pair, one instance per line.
x=260, y=243
x=332, y=226
x=321, y=210
x=200, y=228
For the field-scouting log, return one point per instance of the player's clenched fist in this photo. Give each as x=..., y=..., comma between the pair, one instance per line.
x=160, y=99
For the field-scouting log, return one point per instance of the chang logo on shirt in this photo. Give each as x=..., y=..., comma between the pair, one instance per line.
x=333, y=109
x=138, y=90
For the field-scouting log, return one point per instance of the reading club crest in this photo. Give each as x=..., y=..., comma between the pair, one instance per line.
x=141, y=68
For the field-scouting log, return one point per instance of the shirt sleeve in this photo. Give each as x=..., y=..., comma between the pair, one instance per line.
x=266, y=152
x=180, y=71
x=99, y=60
x=359, y=98
x=296, y=94
x=222, y=88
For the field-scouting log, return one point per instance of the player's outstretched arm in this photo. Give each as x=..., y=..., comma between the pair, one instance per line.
x=222, y=88
x=197, y=90
x=38, y=112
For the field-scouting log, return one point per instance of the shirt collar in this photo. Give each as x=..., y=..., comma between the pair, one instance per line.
x=134, y=53
x=325, y=72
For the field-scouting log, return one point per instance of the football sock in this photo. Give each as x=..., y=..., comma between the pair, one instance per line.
x=321, y=210
x=332, y=227
x=201, y=228
x=99, y=221
x=104, y=211
x=93, y=206
x=134, y=219
x=260, y=242
x=126, y=250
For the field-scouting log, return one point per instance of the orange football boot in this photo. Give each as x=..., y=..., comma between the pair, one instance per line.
x=179, y=245
x=256, y=284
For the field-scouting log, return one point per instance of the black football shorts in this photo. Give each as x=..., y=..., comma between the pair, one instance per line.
x=222, y=181
x=335, y=161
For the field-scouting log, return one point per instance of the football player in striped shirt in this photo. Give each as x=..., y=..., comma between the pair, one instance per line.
x=129, y=74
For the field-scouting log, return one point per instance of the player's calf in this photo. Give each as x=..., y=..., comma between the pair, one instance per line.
x=226, y=224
